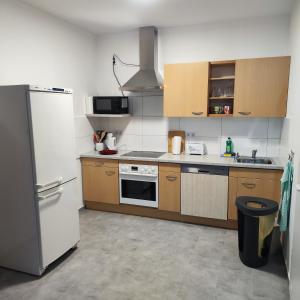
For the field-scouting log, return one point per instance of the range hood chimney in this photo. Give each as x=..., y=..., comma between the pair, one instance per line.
x=147, y=78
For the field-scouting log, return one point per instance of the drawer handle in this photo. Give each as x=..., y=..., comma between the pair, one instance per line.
x=99, y=164
x=245, y=113
x=197, y=113
x=110, y=173
x=249, y=185
x=171, y=178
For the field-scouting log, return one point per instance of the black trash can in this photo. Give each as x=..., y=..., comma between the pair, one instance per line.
x=256, y=218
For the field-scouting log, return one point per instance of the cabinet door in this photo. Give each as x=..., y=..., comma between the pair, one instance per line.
x=204, y=195
x=261, y=87
x=100, y=184
x=253, y=187
x=169, y=188
x=186, y=89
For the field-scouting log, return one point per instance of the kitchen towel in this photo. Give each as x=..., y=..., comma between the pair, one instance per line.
x=286, y=193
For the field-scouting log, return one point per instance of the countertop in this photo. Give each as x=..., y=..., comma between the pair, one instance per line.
x=278, y=163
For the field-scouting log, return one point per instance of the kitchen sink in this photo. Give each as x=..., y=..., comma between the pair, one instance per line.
x=258, y=160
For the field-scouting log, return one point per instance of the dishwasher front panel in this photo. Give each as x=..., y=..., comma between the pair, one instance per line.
x=204, y=195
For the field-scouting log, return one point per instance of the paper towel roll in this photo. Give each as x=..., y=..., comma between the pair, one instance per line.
x=176, y=145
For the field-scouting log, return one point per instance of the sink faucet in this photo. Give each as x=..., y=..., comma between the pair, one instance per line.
x=254, y=153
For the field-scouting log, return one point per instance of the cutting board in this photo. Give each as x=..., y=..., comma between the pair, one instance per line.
x=173, y=133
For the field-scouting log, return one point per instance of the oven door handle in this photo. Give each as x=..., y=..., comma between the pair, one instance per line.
x=139, y=175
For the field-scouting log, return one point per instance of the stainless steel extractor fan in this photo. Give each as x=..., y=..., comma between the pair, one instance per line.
x=147, y=78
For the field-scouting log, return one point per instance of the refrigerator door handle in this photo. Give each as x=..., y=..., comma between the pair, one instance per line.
x=50, y=194
x=56, y=182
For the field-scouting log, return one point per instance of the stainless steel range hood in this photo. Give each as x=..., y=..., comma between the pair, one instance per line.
x=147, y=78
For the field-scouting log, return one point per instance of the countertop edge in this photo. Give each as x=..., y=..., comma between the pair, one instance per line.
x=211, y=160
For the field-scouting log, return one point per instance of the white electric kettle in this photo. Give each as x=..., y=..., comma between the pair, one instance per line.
x=111, y=141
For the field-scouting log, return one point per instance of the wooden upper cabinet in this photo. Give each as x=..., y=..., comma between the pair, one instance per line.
x=261, y=87
x=186, y=89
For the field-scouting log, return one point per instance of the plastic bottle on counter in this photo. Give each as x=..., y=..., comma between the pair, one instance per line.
x=229, y=146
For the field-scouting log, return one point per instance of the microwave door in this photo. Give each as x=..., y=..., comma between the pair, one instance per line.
x=103, y=106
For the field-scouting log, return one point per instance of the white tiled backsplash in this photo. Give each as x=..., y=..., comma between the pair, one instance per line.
x=147, y=129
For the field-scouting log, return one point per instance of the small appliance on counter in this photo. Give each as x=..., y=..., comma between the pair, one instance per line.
x=176, y=145
x=195, y=148
x=111, y=141
x=110, y=105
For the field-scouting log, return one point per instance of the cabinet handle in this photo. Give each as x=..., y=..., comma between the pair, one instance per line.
x=249, y=185
x=99, y=164
x=245, y=113
x=171, y=178
x=110, y=173
x=197, y=113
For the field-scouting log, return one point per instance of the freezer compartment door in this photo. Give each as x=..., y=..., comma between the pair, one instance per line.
x=53, y=138
x=59, y=221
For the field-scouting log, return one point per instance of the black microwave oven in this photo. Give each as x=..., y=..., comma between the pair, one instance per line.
x=110, y=105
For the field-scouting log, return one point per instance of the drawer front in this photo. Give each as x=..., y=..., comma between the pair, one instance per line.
x=204, y=195
x=166, y=167
x=255, y=173
x=264, y=188
x=253, y=187
x=250, y=187
x=100, y=162
x=169, y=191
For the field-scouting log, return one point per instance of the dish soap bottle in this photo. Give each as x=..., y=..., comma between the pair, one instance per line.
x=229, y=146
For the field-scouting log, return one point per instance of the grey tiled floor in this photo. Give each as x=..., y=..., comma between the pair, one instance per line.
x=127, y=257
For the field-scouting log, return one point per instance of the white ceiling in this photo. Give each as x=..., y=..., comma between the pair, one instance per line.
x=101, y=16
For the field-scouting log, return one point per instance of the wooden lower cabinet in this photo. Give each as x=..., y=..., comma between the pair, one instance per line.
x=169, y=187
x=100, y=180
x=252, y=182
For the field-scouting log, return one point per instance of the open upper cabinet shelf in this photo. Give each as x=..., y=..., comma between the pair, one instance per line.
x=108, y=116
x=221, y=89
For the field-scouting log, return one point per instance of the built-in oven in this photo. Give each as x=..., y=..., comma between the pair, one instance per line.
x=139, y=184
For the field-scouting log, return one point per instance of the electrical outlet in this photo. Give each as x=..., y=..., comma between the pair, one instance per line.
x=190, y=134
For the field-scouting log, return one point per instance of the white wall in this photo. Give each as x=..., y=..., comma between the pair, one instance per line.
x=257, y=37
x=37, y=48
x=290, y=140
x=148, y=130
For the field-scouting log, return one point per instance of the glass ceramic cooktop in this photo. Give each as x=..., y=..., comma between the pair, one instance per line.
x=147, y=154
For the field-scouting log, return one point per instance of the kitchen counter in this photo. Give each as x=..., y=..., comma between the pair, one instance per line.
x=278, y=164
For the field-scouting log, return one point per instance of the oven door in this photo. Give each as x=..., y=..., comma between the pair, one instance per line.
x=139, y=190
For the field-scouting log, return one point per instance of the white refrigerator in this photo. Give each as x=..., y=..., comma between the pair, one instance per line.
x=39, y=219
